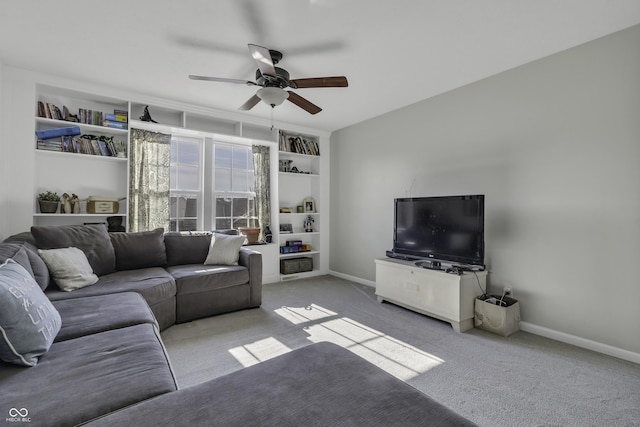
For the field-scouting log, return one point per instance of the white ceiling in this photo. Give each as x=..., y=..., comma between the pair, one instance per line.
x=394, y=53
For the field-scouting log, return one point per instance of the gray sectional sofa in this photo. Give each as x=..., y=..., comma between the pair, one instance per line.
x=106, y=364
x=108, y=353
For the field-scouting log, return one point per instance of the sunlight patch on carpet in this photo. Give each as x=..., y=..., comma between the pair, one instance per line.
x=394, y=356
x=259, y=351
x=298, y=315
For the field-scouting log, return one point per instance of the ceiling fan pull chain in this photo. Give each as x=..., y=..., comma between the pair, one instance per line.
x=272, y=108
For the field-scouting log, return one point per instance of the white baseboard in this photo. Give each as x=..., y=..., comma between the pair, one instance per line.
x=542, y=331
x=353, y=278
x=580, y=342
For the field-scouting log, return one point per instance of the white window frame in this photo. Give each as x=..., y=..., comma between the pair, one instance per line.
x=198, y=193
x=215, y=194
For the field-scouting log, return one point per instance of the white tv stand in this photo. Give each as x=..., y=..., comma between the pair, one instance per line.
x=445, y=296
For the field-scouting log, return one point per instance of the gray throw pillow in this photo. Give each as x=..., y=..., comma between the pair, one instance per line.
x=28, y=321
x=16, y=252
x=91, y=239
x=141, y=249
x=224, y=249
x=38, y=267
x=185, y=248
x=69, y=268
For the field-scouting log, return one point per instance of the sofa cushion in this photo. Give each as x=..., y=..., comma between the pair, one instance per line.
x=139, y=250
x=224, y=249
x=206, y=290
x=186, y=249
x=69, y=267
x=28, y=321
x=90, y=315
x=40, y=271
x=91, y=239
x=317, y=385
x=84, y=378
x=16, y=252
x=154, y=284
x=25, y=254
x=195, y=278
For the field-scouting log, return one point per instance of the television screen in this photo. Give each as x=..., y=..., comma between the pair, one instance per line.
x=449, y=228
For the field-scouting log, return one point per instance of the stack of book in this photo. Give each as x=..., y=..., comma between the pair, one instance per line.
x=50, y=111
x=297, y=144
x=294, y=246
x=84, y=144
x=118, y=120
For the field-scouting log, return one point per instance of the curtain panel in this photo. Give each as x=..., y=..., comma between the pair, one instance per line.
x=262, y=171
x=149, y=172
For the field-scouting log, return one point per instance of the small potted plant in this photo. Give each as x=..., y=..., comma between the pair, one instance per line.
x=48, y=202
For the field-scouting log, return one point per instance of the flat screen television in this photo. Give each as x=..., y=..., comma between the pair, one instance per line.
x=449, y=228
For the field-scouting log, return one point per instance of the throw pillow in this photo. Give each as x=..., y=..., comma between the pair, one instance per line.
x=28, y=321
x=141, y=249
x=38, y=267
x=16, y=252
x=91, y=239
x=69, y=267
x=186, y=248
x=224, y=249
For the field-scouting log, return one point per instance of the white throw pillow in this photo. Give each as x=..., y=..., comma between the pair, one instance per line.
x=69, y=267
x=224, y=249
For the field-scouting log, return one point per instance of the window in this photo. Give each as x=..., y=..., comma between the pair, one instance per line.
x=212, y=191
x=185, y=184
x=233, y=184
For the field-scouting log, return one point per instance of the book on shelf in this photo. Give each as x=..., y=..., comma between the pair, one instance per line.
x=42, y=111
x=50, y=145
x=116, y=117
x=298, y=144
x=119, y=119
x=82, y=144
x=58, y=132
x=115, y=124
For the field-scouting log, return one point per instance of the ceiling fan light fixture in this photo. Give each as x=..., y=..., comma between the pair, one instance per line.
x=272, y=95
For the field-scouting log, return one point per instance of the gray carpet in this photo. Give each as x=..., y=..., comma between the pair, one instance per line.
x=522, y=380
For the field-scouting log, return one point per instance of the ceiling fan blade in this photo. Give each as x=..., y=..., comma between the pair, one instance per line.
x=337, y=81
x=250, y=103
x=263, y=59
x=303, y=103
x=222, y=79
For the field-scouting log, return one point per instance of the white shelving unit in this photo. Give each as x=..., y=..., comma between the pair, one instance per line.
x=83, y=174
x=93, y=175
x=298, y=180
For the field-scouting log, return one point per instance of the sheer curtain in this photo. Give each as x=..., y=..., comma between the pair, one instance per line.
x=149, y=171
x=262, y=170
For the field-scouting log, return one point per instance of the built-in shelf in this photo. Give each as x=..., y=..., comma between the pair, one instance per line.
x=80, y=215
x=84, y=127
x=299, y=254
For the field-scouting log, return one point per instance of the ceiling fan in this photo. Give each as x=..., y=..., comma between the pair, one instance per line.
x=274, y=80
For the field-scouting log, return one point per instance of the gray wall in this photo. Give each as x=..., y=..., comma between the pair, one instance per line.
x=555, y=147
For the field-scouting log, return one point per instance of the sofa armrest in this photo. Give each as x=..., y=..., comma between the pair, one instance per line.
x=253, y=261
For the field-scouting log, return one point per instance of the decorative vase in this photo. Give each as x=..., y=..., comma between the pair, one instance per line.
x=48, y=206
x=251, y=233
